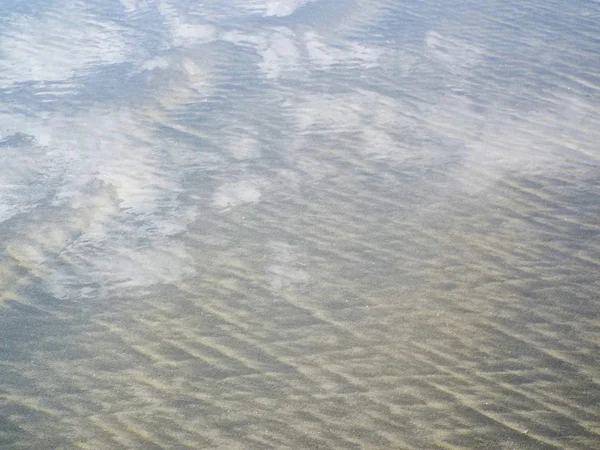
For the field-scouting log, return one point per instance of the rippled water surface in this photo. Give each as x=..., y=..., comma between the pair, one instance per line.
x=299, y=224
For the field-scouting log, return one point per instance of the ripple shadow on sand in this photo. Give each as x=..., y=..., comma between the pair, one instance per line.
x=275, y=225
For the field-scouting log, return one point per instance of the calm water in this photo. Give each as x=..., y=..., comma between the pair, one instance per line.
x=299, y=224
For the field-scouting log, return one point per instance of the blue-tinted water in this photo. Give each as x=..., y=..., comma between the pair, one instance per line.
x=299, y=224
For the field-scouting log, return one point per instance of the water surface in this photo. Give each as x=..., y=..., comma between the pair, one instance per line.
x=299, y=224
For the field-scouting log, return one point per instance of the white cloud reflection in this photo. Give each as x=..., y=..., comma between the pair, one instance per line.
x=115, y=209
x=57, y=47
x=355, y=54
x=230, y=195
x=121, y=186
x=183, y=32
x=284, y=53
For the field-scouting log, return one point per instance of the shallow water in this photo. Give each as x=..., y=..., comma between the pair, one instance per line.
x=299, y=224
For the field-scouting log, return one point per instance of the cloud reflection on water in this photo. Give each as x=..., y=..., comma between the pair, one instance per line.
x=350, y=228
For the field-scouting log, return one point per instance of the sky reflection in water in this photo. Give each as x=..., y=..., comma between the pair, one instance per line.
x=303, y=224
